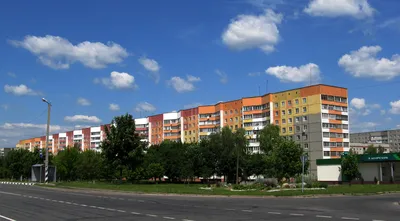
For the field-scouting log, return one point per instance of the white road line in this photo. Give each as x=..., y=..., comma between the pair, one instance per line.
x=296, y=214
x=167, y=217
x=121, y=211
x=83, y=205
x=93, y=206
x=68, y=203
x=350, y=218
x=276, y=213
x=101, y=208
x=378, y=220
x=110, y=209
x=187, y=220
x=7, y=218
x=321, y=216
x=61, y=201
x=246, y=210
x=151, y=215
x=135, y=213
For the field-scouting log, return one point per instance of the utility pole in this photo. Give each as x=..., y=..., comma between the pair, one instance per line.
x=46, y=162
x=237, y=165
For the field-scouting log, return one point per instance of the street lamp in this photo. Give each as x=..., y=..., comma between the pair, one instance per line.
x=46, y=162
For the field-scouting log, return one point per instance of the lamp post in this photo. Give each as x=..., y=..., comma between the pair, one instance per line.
x=46, y=162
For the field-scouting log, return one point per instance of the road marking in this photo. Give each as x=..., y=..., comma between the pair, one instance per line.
x=377, y=220
x=230, y=209
x=121, y=211
x=246, y=210
x=187, y=220
x=7, y=218
x=101, y=208
x=321, y=216
x=350, y=218
x=167, y=217
x=83, y=205
x=296, y=214
x=110, y=209
x=135, y=213
x=141, y=201
x=151, y=215
x=68, y=203
x=276, y=213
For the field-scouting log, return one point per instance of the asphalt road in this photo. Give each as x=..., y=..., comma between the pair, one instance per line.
x=27, y=203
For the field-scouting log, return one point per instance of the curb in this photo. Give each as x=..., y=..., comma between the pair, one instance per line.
x=17, y=183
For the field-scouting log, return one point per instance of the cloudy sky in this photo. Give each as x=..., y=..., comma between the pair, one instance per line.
x=97, y=59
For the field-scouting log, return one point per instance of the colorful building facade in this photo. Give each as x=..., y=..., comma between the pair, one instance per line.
x=314, y=116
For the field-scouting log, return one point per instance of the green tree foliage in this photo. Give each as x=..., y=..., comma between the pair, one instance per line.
x=371, y=150
x=269, y=138
x=155, y=171
x=122, y=147
x=350, y=166
x=89, y=165
x=66, y=163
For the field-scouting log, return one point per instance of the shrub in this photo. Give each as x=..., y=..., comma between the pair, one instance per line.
x=317, y=184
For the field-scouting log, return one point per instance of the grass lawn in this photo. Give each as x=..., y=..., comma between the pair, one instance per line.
x=195, y=189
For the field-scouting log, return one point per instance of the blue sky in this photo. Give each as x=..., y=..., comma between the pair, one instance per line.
x=97, y=59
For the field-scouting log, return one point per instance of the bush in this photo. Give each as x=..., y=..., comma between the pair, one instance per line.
x=267, y=182
x=317, y=184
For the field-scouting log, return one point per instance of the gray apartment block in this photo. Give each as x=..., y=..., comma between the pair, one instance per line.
x=391, y=137
x=4, y=151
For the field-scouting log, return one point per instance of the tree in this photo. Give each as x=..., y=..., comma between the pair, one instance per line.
x=371, y=150
x=89, y=165
x=155, y=170
x=285, y=159
x=350, y=166
x=241, y=144
x=19, y=163
x=122, y=147
x=269, y=137
x=381, y=149
x=66, y=162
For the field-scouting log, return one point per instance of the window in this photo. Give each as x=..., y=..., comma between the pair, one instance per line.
x=304, y=109
x=283, y=112
x=283, y=121
x=305, y=137
x=290, y=129
x=297, y=137
x=284, y=130
x=277, y=122
x=326, y=134
x=326, y=154
x=290, y=120
x=304, y=100
x=297, y=119
x=226, y=112
x=305, y=118
x=289, y=103
x=283, y=104
x=325, y=116
x=306, y=146
x=231, y=112
x=290, y=111
x=236, y=119
x=297, y=129
x=276, y=105
x=297, y=110
x=276, y=113
x=297, y=101
x=230, y=119
x=226, y=120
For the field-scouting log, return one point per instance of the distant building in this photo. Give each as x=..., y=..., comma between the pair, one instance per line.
x=4, y=151
x=360, y=148
x=390, y=137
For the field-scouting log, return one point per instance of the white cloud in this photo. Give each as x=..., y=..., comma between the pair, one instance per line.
x=358, y=9
x=188, y=106
x=10, y=133
x=364, y=125
x=304, y=73
x=251, y=31
x=117, y=80
x=114, y=107
x=395, y=107
x=145, y=107
x=383, y=112
x=223, y=77
x=192, y=78
x=20, y=90
x=83, y=101
x=5, y=106
x=364, y=63
x=58, y=53
x=11, y=74
x=182, y=85
x=152, y=66
x=358, y=103
x=82, y=118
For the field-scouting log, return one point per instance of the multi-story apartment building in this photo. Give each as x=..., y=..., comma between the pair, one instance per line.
x=314, y=116
x=4, y=151
x=389, y=137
